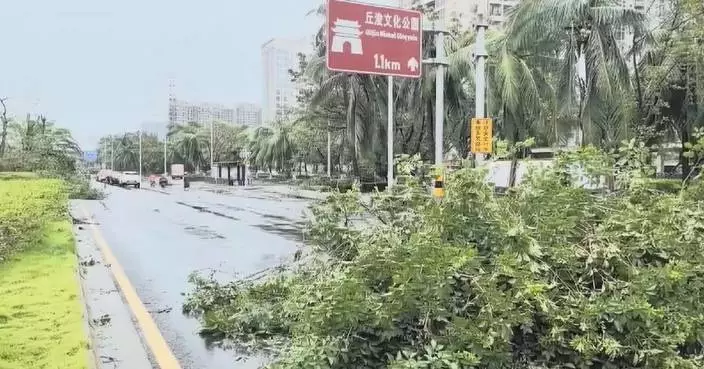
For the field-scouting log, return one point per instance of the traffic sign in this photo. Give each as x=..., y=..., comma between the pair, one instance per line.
x=481, y=135
x=90, y=156
x=371, y=39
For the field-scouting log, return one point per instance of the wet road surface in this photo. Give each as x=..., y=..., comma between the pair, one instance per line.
x=160, y=239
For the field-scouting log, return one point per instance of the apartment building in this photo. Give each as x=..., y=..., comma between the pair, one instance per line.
x=248, y=115
x=182, y=112
x=278, y=57
x=467, y=12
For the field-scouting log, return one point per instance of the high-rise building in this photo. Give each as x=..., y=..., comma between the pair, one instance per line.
x=278, y=57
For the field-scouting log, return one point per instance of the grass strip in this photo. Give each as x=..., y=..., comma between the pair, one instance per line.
x=41, y=322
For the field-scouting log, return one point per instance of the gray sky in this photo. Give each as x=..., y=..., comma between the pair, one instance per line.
x=100, y=67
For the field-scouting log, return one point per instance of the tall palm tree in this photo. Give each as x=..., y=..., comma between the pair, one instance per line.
x=580, y=35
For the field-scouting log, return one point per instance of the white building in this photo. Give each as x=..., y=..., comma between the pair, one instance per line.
x=467, y=12
x=656, y=12
x=248, y=115
x=278, y=57
x=182, y=112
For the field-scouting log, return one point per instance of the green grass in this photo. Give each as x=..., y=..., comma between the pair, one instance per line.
x=41, y=320
x=7, y=176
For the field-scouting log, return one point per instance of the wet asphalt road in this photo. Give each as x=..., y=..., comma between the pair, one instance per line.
x=160, y=239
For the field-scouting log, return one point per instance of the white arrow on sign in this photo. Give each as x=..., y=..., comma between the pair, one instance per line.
x=413, y=64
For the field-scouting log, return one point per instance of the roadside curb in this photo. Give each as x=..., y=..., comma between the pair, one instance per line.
x=91, y=353
x=118, y=341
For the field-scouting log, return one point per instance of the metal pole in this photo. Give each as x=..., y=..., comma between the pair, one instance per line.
x=140, y=158
x=166, y=139
x=212, y=162
x=480, y=77
x=439, y=94
x=329, y=151
x=390, y=133
x=480, y=55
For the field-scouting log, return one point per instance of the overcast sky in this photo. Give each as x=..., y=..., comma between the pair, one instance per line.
x=100, y=67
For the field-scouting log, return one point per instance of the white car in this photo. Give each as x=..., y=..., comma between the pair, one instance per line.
x=129, y=179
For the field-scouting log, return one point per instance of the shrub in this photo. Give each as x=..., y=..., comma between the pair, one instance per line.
x=548, y=275
x=25, y=204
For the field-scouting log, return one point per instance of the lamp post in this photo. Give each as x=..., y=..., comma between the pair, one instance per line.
x=244, y=156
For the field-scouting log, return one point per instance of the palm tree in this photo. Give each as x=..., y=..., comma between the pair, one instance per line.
x=42, y=145
x=273, y=147
x=191, y=143
x=578, y=35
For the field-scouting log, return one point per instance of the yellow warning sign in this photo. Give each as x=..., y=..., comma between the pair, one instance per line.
x=481, y=135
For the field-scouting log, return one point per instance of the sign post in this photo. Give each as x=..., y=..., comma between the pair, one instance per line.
x=378, y=40
x=390, y=133
x=481, y=137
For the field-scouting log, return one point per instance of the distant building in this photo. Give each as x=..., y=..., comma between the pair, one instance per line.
x=467, y=12
x=248, y=115
x=182, y=112
x=278, y=57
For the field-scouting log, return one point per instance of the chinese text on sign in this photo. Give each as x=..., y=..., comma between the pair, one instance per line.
x=481, y=135
x=373, y=39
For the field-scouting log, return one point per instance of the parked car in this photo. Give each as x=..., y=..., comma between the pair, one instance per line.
x=129, y=179
x=102, y=175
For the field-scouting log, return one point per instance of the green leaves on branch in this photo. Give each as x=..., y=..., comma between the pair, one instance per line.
x=551, y=275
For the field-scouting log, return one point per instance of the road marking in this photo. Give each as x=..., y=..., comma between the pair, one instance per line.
x=158, y=346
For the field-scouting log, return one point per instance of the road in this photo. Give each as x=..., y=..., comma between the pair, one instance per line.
x=159, y=239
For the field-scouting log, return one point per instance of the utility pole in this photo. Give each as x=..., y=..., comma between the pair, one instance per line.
x=112, y=153
x=140, y=158
x=480, y=55
x=390, y=133
x=212, y=142
x=439, y=90
x=440, y=60
x=166, y=139
x=329, y=151
x=438, y=28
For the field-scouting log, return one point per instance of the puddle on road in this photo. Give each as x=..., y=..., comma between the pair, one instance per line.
x=204, y=232
x=261, y=214
x=203, y=209
x=290, y=231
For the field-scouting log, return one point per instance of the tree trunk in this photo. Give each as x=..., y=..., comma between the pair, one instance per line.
x=582, y=78
x=3, y=136
x=352, y=127
x=514, y=156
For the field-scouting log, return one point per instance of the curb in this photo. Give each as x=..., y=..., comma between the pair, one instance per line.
x=90, y=334
x=120, y=341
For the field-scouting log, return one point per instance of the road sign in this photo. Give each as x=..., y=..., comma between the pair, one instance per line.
x=481, y=135
x=90, y=156
x=372, y=39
